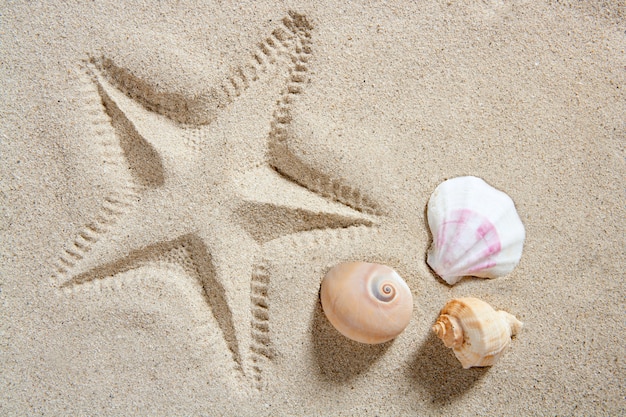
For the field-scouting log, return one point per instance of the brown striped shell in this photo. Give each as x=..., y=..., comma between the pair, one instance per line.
x=477, y=333
x=366, y=302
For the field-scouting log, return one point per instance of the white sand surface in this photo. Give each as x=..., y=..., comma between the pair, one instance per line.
x=177, y=178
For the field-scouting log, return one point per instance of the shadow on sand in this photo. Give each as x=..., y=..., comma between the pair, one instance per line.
x=435, y=369
x=340, y=359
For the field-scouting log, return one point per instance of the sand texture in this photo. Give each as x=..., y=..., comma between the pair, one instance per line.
x=177, y=178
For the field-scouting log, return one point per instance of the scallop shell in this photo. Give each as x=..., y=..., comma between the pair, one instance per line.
x=476, y=230
x=366, y=302
x=477, y=333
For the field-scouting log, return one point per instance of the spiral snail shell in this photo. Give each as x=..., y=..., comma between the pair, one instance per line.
x=477, y=333
x=366, y=302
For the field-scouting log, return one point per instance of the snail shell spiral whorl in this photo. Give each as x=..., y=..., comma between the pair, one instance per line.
x=366, y=302
x=477, y=333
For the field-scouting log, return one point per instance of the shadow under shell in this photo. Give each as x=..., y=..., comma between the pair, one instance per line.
x=338, y=358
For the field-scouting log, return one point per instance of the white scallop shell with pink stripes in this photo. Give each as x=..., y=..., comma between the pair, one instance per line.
x=476, y=230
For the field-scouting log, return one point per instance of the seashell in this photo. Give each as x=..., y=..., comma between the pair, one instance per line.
x=366, y=302
x=477, y=333
x=476, y=230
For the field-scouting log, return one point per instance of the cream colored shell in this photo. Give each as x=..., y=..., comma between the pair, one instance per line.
x=366, y=302
x=477, y=333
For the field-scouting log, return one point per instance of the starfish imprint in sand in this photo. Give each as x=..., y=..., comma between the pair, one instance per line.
x=209, y=186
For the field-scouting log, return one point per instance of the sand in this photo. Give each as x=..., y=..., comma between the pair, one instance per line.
x=177, y=179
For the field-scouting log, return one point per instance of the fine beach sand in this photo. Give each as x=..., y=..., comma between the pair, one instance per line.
x=177, y=179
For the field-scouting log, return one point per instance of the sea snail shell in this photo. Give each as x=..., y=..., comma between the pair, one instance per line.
x=366, y=302
x=477, y=333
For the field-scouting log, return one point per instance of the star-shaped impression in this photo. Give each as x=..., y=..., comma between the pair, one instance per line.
x=245, y=201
